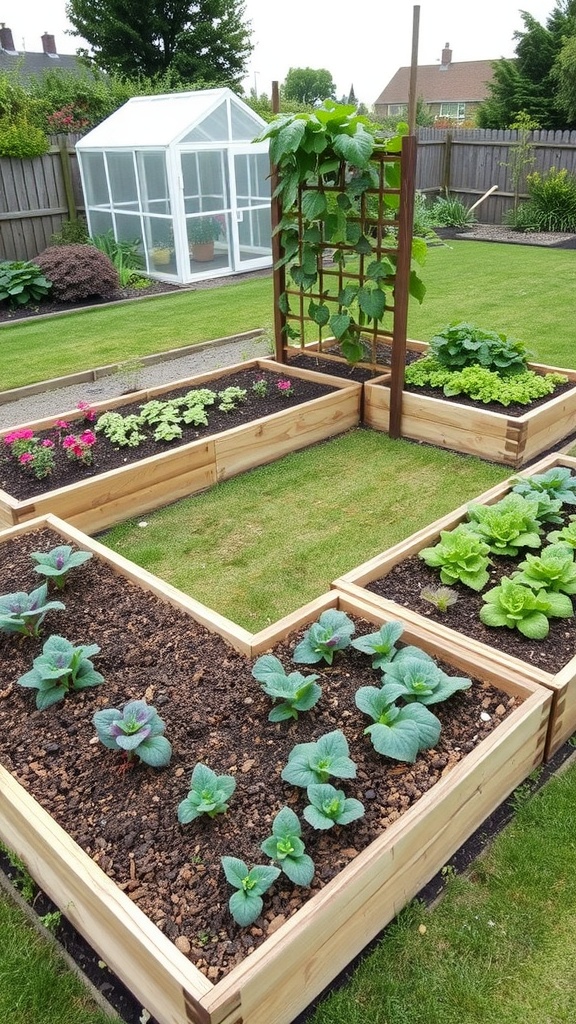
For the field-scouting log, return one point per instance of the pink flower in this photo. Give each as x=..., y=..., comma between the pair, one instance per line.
x=69, y=441
x=25, y=457
x=283, y=385
x=62, y=424
x=24, y=434
x=86, y=408
x=87, y=437
x=46, y=443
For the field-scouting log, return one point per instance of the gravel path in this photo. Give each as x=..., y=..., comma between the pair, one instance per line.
x=209, y=356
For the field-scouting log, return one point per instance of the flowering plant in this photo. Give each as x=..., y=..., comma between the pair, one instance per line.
x=260, y=387
x=32, y=454
x=285, y=387
x=88, y=410
x=67, y=119
x=79, y=446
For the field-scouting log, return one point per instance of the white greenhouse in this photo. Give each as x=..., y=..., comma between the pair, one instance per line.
x=180, y=174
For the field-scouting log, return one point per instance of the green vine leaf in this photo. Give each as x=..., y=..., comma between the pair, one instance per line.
x=379, y=270
x=339, y=324
x=416, y=287
x=313, y=235
x=353, y=232
x=302, y=278
x=319, y=313
x=363, y=246
x=347, y=295
x=287, y=140
x=284, y=304
x=419, y=250
x=356, y=149
x=352, y=348
x=313, y=205
x=372, y=302
x=335, y=227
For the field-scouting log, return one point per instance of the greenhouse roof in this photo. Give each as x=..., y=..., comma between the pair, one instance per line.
x=158, y=121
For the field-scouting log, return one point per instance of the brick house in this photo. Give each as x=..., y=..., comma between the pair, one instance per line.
x=450, y=90
x=30, y=64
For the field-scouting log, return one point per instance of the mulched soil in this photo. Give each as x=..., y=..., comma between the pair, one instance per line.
x=216, y=713
x=22, y=484
x=8, y=314
x=405, y=581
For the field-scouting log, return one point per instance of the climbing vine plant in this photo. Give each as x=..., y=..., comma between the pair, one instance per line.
x=339, y=191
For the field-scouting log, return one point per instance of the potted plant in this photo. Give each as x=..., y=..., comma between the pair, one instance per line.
x=202, y=232
x=160, y=253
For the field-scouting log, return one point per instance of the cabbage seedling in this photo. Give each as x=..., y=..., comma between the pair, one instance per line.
x=61, y=667
x=25, y=613
x=297, y=692
x=414, y=679
x=330, y=806
x=208, y=794
x=251, y=883
x=333, y=632
x=518, y=607
x=397, y=732
x=316, y=762
x=285, y=846
x=58, y=562
x=137, y=730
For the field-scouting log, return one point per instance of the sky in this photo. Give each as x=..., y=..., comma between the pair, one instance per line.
x=363, y=51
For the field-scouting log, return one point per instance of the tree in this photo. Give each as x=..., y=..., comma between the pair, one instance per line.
x=529, y=83
x=203, y=42
x=309, y=85
x=564, y=73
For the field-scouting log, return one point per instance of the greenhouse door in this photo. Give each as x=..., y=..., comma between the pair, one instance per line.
x=251, y=182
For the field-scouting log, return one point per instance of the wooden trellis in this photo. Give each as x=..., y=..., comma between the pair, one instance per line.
x=385, y=218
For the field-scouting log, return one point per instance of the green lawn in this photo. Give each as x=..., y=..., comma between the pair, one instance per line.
x=525, y=291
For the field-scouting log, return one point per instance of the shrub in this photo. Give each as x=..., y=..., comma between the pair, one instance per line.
x=22, y=141
x=72, y=232
x=448, y=212
x=79, y=272
x=552, y=202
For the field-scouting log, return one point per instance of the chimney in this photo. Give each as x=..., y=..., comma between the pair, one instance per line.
x=446, y=56
x=49, y=44
x=6, y=40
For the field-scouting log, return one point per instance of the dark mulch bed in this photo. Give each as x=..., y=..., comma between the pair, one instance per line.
x=405, y=581
x=7, y=314
x=512, y=411
x=216, y=713
x=350, y=371
x=22, y=484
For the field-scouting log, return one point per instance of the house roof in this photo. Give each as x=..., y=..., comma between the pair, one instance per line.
x=32, y=64
x=463, y=81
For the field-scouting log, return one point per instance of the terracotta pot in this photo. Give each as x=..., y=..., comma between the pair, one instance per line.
x=203, y=252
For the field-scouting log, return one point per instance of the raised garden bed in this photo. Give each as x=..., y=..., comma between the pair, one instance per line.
x=321, y=406
x=473, y=429
x=152, y=645
x=392, y=581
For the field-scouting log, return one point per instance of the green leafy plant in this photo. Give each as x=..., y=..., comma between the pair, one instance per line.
x=285, y=846
x=330, y=806
x=125, y=255
x=442, y=598
x=57, y=563
x=204, y=229
x=24, y=613
x=559, y=482
x=553, y=569
x=567, y=535
x=398, y=733
x=123, y=431
x=250, y=883
x=60, y=668
x=22, y=282
x=519, y=607
x=482, y=384
x=318, y=760
x=415, y=679
x=461, y=556
x=449, y=212
x=508, y=525
x=295, y=691
x=551, y=202
x=381, y=645
x=209, y=794
x=462, y=344
x=137, y=730
x=333, y=632
x=230, y=398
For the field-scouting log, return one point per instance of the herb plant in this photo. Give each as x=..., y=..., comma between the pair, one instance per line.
x=123, y=431
x=285, y=846
x=230, y=397
x=250, y=883
x=414, y=679
x=461, y=556
x=317, y=761
x=333, y=632
x=60, y=668
x=329, y=806
x=519, y=607
x=24, y=613
x=57, y=563
x=137, y=730
x=553, y=569
x=209, y=794
x=297, y=692
x=397, y=732
x=508, y=525
x=441, y=597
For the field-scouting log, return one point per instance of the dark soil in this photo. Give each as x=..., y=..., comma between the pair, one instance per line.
x=513, y=410
x=215, y=713
x=405, y=581
x=350, y=371
x=22, y=484
x=9, y=314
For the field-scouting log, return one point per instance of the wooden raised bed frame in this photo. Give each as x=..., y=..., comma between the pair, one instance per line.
x=100, y=501
x=293, y=965
x=562, y=684
x=513, y=441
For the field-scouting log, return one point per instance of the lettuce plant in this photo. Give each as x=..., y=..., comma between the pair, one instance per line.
x=209, y=794
x=519, y=607
x=317, y=761
x=559, y=482
x=137, y=730
x=230, y=397
x=24, y=613
x=463, y=344
x=60, y=668
x=124, y=431
x=333, y=632
x=329, y=806
x=297, y=692
x=250, y=883
x=461, y=556
x=415, y=679
x=553, y=569
x=567, y=535
x=397, y=732
x=58, y=562
x=285, y=846
x=508, y=525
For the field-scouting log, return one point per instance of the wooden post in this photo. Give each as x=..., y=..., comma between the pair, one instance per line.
x=401, y=287
x=66, y=165
x=447, y=170
x=412, y=97
x=279, y=273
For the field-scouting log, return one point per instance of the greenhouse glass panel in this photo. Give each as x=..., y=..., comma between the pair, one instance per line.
x=153, y=181
x=95, y=184
x=214, y=127
x=122, y=175
x=129, y=229
x=205, y=181
x=99, y=222
x=244, y=127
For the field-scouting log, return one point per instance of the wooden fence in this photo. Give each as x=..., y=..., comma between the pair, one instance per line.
x=468, y=162
x=37, y=196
